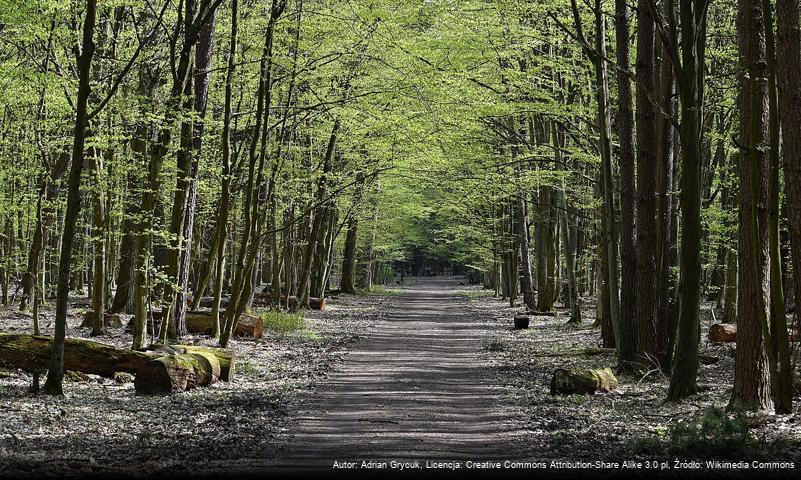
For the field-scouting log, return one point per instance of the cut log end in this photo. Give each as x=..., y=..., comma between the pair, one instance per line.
x=723, y=333
x=583, y=381
x=177, y=373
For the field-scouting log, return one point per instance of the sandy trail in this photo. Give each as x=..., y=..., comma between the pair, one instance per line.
x=417, y=387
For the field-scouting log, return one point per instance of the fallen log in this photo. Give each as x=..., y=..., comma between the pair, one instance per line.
x=177, y=373
x=112, y=320
x=583, y=381
x=727, y=333
x=314, y=302
x=32, y=353
x=249, y=325
x=225, y=358
x=599, y=351
x=208, y=302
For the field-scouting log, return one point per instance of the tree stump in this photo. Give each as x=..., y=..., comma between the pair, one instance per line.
x=582, y=381
x=112, y=320
x=521, y=322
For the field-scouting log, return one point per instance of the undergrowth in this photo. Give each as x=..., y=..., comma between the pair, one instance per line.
x=718, y=434
x=282, y=322
x=378, y=290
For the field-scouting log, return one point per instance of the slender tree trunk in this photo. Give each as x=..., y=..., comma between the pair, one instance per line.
x=567, y=246
x=628, y=257
x=55, y=374
x=99, y=246
x=253, y=211
x=690, y=75
x=646, y=190
x=607, y=181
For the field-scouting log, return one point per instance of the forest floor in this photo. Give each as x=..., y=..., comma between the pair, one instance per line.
x=429, y=370
x=103, y=427
x=633, y=422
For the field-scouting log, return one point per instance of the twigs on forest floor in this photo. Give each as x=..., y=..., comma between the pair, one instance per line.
x=590, y=351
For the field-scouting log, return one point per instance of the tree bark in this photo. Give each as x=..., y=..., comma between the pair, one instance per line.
x=752, y=372
x=782, y=381
x=55, y=374
x=789, y=86
x=690, y=79
x=628, y=257
x=646, y=190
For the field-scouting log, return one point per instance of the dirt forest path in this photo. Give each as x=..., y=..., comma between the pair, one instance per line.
x=417, y=387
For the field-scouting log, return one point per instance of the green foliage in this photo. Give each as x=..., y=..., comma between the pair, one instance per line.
x=379, y=290
x=244, y=367
x=476, y=293
x=719, y=434
x=283, y=323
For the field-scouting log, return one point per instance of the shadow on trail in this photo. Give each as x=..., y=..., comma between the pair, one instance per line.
x=416, y=387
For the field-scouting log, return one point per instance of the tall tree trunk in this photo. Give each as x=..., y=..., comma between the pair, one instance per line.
x=317, y=222
x=221, y=228
x=98, y=246
x=568, y=250
x=628, y=257
x=665, y=210
x=690, y=79
x=646, y=189
x=253, y=212
x=780, y=343
x=789, y=103
x=202, y=74
x=751, y=371
x=607, y=180
x=55, y=374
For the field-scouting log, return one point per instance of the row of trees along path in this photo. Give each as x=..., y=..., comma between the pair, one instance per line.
x=159, y=151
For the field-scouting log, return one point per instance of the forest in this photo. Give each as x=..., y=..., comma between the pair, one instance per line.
x=266, y=236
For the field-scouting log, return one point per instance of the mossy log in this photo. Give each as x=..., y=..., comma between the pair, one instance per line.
x=32, y=353
x=249, y=325
x=177, y=373
x=583, y=381
x=224, y=357
x=112, y=320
